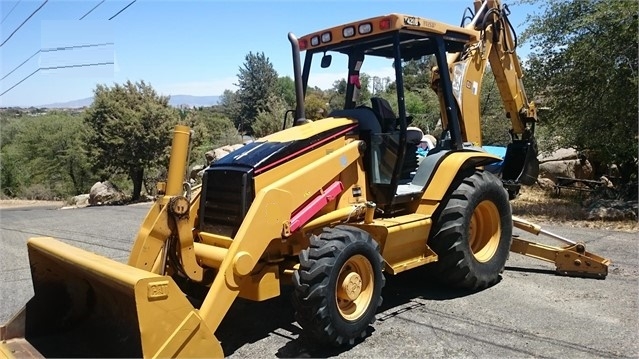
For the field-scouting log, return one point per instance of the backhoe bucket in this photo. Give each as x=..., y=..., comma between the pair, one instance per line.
x=86, y=305
x=520, y=163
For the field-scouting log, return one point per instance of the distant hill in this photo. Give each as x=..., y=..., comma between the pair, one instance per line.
x=190, y=101
x=70, y=104
x=175, y=101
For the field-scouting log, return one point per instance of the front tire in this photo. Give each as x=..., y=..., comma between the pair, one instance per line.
x=473, y=233
x=338, y=285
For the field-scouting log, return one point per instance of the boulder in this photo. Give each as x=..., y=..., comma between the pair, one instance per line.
x=581, y=169
x=606, y=182
x=546, y=183
x=561, y=154
x=81, y=200
x=105, y=193
x=236, y=146
x=611, y=210
x=215, y=155
x=197, y=171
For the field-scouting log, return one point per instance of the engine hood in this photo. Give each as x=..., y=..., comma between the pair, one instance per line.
x=267, y=152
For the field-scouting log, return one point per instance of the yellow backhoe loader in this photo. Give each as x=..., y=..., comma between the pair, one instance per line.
x=328, y=207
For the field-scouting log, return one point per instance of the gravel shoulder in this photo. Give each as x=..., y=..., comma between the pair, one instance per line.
x=22, y=203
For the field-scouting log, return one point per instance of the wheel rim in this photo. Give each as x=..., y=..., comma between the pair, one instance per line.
x=354, y=287
x=485, y=231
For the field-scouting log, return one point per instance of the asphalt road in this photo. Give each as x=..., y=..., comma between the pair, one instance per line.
x=530, y=313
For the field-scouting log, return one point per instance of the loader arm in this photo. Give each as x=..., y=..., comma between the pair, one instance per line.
x=268, y=217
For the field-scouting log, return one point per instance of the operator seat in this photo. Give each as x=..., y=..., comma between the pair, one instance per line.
x=385, y=111
x=364, y=116
x=389, y=124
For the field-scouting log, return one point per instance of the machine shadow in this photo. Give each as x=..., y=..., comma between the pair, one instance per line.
x=530, y=270
x=248, y=322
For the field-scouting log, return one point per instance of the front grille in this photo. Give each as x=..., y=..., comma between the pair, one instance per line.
x=227, y=194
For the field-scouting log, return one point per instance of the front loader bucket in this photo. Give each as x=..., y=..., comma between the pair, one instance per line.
x=86, y=305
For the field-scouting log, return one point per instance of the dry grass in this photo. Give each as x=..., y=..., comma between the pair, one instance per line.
x=536, y=205
x=11, y=203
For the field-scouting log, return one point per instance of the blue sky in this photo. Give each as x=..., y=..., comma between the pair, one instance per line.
x=179, y=47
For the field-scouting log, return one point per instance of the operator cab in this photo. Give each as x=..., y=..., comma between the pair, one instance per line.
x=390, y=157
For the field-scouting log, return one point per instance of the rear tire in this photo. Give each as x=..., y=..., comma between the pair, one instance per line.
x=473, y=233
x=338, y=285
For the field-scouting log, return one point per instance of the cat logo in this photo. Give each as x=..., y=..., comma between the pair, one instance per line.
x=411, y=20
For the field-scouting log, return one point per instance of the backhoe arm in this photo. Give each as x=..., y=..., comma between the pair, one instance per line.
x=496, y=45
x=500, y=40
x=571, y=260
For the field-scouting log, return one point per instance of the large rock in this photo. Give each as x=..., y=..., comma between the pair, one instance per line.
x=226, y=148
x=546, y=183
x=612, y=210
x=236, y=146
x=197, y=171
x=214, y=155
x=581, y=169
x=105, y=193
x=81, y=200
x=217, y=153
x=561, y=154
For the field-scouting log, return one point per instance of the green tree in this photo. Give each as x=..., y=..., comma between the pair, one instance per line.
x=286, y=90
x=257, y=82
x=230, y=105
x=494, y=124
x=131, y=128
x=337, y=95
x=315, y=105
x=583, y=65
x=217, y=130
x=365, y=92
x=416, y=74
x=46, y=153
x=270, y=119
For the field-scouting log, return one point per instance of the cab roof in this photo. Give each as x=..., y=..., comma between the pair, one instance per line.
x=373, y=36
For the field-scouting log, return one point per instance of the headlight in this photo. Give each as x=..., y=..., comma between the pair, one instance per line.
x=365, y=28
x=348, y=31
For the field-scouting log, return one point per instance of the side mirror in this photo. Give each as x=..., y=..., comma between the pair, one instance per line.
x=326, y=61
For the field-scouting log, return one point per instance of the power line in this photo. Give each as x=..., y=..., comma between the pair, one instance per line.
x=24, y=22
x=21, y=81
x=54, y=68
x=75, y=47
x=80, y=65
x=100, y=3
x=57, y=48
x=10, y=11
x=52, y=50
x=124, y=8
x=17, y=67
